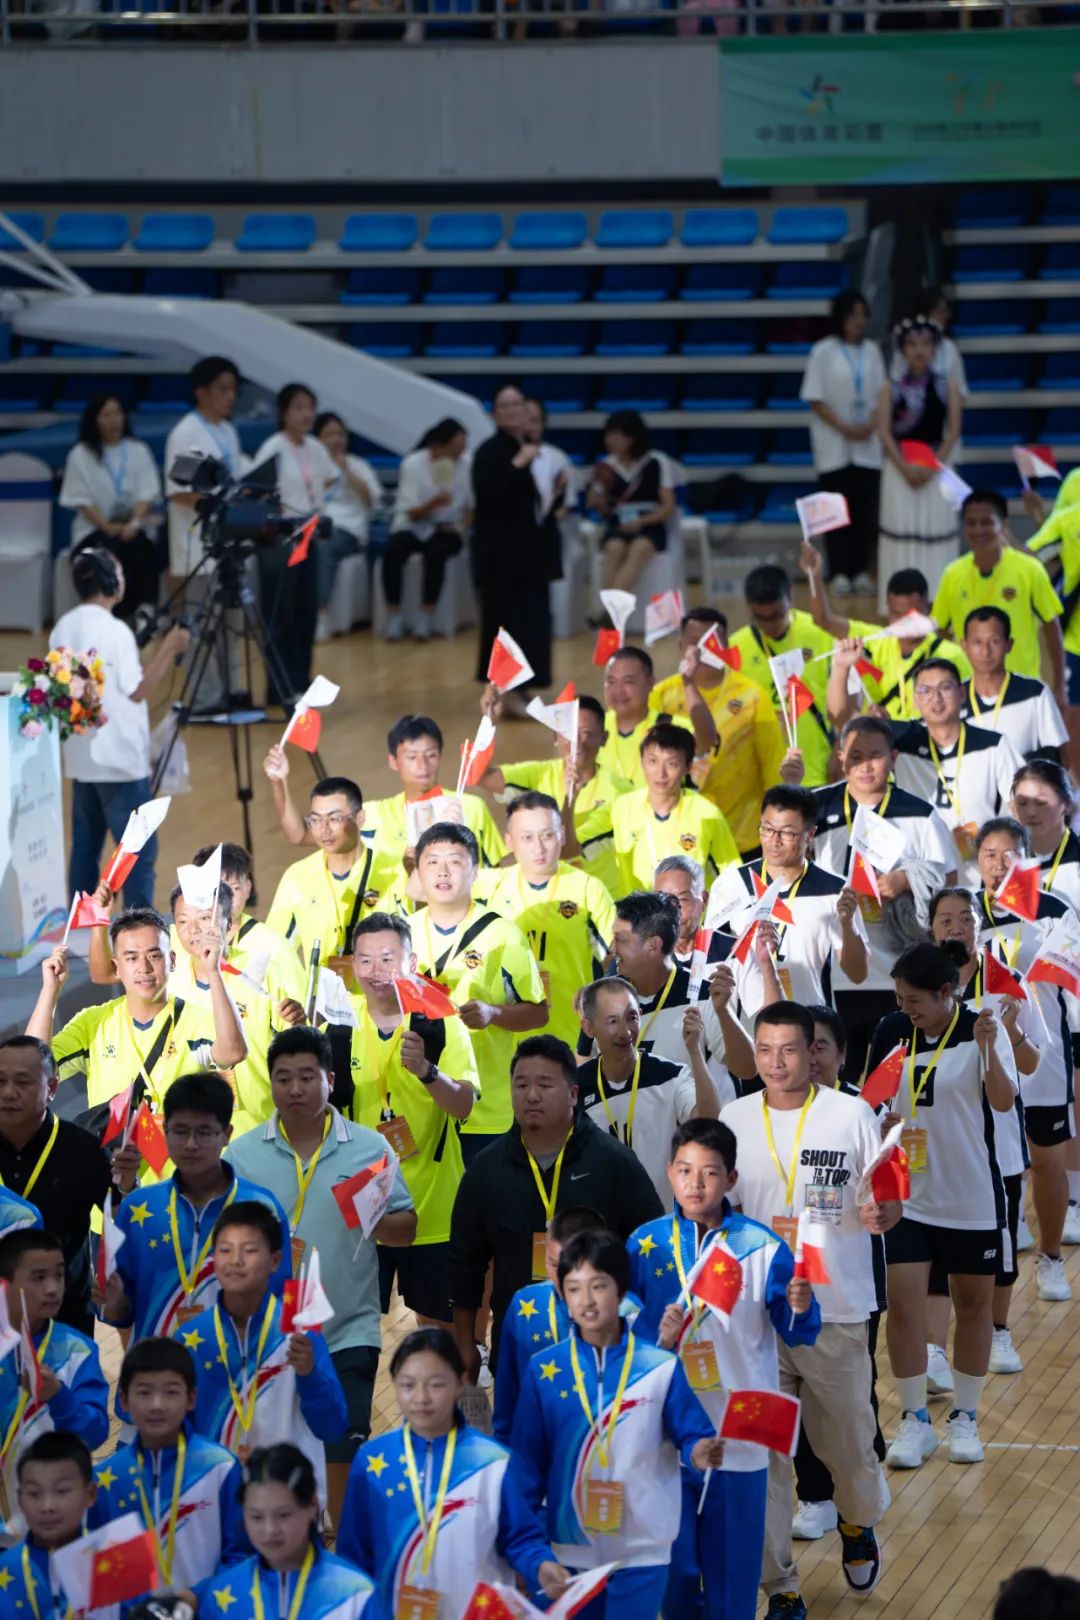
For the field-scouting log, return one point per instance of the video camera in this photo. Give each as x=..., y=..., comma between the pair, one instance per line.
x=237, y=512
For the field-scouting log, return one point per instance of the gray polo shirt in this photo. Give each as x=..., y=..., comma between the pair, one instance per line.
x=352, y=1285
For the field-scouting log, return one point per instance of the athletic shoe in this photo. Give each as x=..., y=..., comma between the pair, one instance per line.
x=964, y=1443
x=864, y=584
x=1071, y=1230
x=915, y=1441
x=861, y=1558
x=421, y=627
x=1051, y=1278
x=1004, y=1356
x=786, y=1606
x=841, y=585
x=939, y=1378
x=1025, y=1241
x=484, y=1380
x=813, y=1520
x=395, y=627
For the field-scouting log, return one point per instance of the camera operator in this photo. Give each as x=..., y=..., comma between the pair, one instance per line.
x=110, y=767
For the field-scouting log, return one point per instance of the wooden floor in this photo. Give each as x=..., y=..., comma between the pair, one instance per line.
x=952, y=1533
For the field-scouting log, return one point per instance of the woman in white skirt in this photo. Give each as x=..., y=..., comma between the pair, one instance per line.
x=919, y=525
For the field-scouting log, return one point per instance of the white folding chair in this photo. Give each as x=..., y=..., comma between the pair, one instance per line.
x=26, y=506
x=453, y=611
x=350, y=599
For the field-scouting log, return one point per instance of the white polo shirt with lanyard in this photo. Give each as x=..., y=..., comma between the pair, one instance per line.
x=1023, y=711
x=642, y=1111
x=967, y=783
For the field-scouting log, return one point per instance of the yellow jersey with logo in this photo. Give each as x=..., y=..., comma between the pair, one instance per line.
x=312, y=903
x=1057, y=547
x=643, y=839
x=1019, y=584
x=385, y=820
x=621, y=753
x=106, y=1045
x=592, y=809
x=813, y=731
x=895, y=691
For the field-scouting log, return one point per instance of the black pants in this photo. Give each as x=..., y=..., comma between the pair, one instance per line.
x=138, y=558
x=862, y=1012
x=524, y=610
x=436, y=552
x=813, y=1481
x=852, y=550
x=289, y=607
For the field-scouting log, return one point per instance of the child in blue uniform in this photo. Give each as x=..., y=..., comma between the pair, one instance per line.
x=430, y=1507
x=55, y=1482
x=16, y=1213
x=602, y=1423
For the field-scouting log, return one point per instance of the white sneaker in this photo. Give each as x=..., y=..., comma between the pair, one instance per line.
x=813, y=1520
x=915, y=1441
x=1004, y=1356
x=864, y=585
x=964, y=1443
x=484, y=1380
x=395, y=627
x=1025, y=1241
x=323, y=631
x=1051, y=1278
x=939, y=1378
x=421, y=627
x=841, y=585
x=1070, y=1232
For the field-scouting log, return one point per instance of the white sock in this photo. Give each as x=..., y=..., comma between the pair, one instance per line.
x=1074, y=1186
x=912, y=1393
x=968, y=1390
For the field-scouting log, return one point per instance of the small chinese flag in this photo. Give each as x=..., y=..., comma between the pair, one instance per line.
x=764, y=1416
x=998, y=981
x=488, y=1603
x=799, y=697
x=348, y=1195
x=120, y=868
x=150, y=1140
x=1056, y=972
x=740, y=951
x=119, y=1111
x=109, y=1244
x=299, y=552
x=1021, y=889
x=809, y=1257
x=864, y=879
x=882, y=1085
x=717, y=1279
x=88, y=914
x=917, y=454
x=507, y=666
x=867, y=670
x=780, y=908
x=567, y=695
x=124, y=1570
x=892, y=1179
x=713, y=650
x=607, y=643
x=421, y=996
x=304, y=730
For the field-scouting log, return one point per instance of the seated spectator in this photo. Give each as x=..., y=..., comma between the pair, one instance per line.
x=633, y=493
x=432, y=511
x=111, y=484
x=349, y=505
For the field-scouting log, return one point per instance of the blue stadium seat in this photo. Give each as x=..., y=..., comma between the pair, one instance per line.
x=1059, y=371
x=78, y=390
x=990, y=317
x=379, y=233
x=89, y=233
x=720, y=337
x=634, y=228
x=1061, y=315
x=728, y=282
x=24, y=393
x=997, y=427
x=993, y=207
x=997, y=372
x=478, y=387
x=635, y=284
x=571, y=391
x=1008, y=263
x=481, y=286
x=649, y=391
x=85, y=351
x=1062, y=206
x=561, y=229
x=796, y=335
x=165, y=394
x=582, y=445
x=636, y=337
x=553, y=340
x=999, y=475
x=791, y=448
x=551, y=284
x=174, y=233
x=780, y=502
x=1062, y=425
x=799, y=227
x=384, y=287
x=276, y=233
x=193, y=282
x=807, y=281
x=107, y=279
x=32, y=224
x=722, y=447
x=1062, y=262
x=721, y=393
x=388, y=340
x=477, y=340
x=784, y=393
x=463, y=233
x=719, y=227
x=741, y=507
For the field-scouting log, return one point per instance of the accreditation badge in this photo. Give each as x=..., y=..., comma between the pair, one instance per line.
x=913, y=1142
x=603, y=1507
x=786, y=1228
x=964, y=838
x=398, y=1132
x=539, y=1256
x=417, y=1603
x=700, y=1365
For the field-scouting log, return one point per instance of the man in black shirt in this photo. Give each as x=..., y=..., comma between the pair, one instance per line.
x=510, y=1192
x=52, y=1163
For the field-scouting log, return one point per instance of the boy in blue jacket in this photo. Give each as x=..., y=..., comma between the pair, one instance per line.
x=602, y=1423
x=55, y=1485
x=720, y=1541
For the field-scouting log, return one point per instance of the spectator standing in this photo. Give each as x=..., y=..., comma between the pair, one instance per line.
x=633, y=492
x=948, y=361
x=111, y=483
x=432, y=512
x=350, y=502
x=553, y=475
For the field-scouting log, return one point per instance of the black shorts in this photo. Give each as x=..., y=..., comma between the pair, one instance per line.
x=1047, y=1127
x=474, y=1142
x=1008, y=1268
x=656, y=532
x=423, y=1277
x=971, y=1254
x=356, y=1367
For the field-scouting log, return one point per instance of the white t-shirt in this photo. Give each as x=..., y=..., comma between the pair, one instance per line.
x=665, y=1098
x=849, y=378
x=840, y=1138
x=118, y=751
x=344, y=507
x=416, y=487
x=305, y=472
x=114, y=482
x=970, y=790
x=1028, y=716
x=194, y=435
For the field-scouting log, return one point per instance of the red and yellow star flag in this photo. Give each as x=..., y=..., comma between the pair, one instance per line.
x=716, y=1278
x=763, y=1416
x=123, y=1570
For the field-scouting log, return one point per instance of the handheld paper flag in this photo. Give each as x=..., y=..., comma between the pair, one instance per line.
x=362, y=1199
x=567, y=695
x=507, y=666
x=560, y=717
x=714, y=652
x=419, y=995
x=109, y=1565
x=663, y=616
x=821, y=512
x=878, y=841
x=618, y=605
x=9, y=1336
x=762, y=1415
x=890, y=1182
x=303, y=538
x=911, y=627
x=200, y=884
x=88, y=914
x=716, y=1277
x=771, y=906
x=868, y=671
x=332, y=1000
x=799, y=697
x=864, y=879
x=491, y=1600
x=884, y=1082
x=1051, y=967
x=864, y=1190
x=304, y=1305
x=917, y=454
x=953, y=488
x=699, y=961
x=119, y=1114
x=809, y=1249
x=1035, y=461
x=608, y=643
x=109, y=1244
x=477, y=755
x=142, y=824
x=150, y=1140
x=1020, y=891
x=998, y=980
x=29, y=1365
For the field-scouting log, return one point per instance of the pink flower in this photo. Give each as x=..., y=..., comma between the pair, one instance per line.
x=77, y=687
x=35, y=696
x=31, y=728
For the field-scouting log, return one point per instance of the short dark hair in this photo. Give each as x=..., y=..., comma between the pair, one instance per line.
x=637, y=655
x=286, y=395
x=989, y=615
x=908, y=582
x=1004, y=824
x=235, y=860
x=651, y=912
x=56, y=1446
x=784, y=1014
x=926, y=967
x=204, y=373
x=1037, y=1594
x=297, y=1039
x=437, y=1341
x=600, y=1249
x=532, y=801
x=157, y=1355
x=672, y=739
x=634, y=426
x=710, y=1134
x=443, y=432
x=410, y=728
x=282, y=1464
x=832, y=1022
x=26, y=1043
x=449, y=832
x=955, y=891
x=136, y=917
x=383, y=922
x=253, y=1214
x=591, y=705
x=343, y=785
x=203, y=1092
x=985, y=497
x=704, y=615
x=596, y=988
x=846, y=302
x=224, y=901
x=868, y=725
x=767, y=583
x=15, y=1246
x=567, y=1223
x=94, y=572
x=550, y=1047
x=1050, y=774
x=944, y=664
x=798, y=799
x=89, y=432
x=324, y=419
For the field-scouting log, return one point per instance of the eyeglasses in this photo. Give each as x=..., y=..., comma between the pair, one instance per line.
x=334, y=820
x=936, y=691
x=202, y=1135
x=783, y=835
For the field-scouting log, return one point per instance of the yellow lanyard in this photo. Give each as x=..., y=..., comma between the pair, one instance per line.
x=143, y=1072
x=244, y=1406
x=165, y=1555
x=951, y=793
x=31, y=1594
x=603, y=1442
x=51, y=1143
x=548, y=1202
x=782, y=928
x=187, y=1283
x=684, y=1288
x=298, y=1595
x=629, y=1137
x=1009, y=952
x=977, y=982
x=880, y=811
x=916, y=1093
x=339, y=900
x=303, y=1177
x=788, y=1176
x=658, y=1009
x=553, y=1318
x=1047, y=885
x=429, y=1523
x=379, y=1058
x=978, y=713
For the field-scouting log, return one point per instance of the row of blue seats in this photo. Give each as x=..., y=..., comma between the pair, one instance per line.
x=449, y=232
x=1004, y=207
x=1060, y=261
x=1012, y=317
x=486, y=340
x=573, y=284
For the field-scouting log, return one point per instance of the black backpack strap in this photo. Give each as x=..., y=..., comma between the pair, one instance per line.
x=138, y=1085
x=358, y=903
x=474, y=930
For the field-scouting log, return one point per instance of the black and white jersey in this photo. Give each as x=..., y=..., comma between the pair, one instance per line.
x=661, y=1030
x=1016, y=942
x=1013, y=1155
x=975, y=781
x=664, y=1098
x=961, y=1186
x=1025, y=712
x=928, y=842
x=1065, y=881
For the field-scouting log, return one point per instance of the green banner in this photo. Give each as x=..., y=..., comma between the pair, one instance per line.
x=889, y=109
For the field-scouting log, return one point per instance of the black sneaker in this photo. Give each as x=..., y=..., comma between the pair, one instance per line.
x=786, y=1606
x=861, y=1555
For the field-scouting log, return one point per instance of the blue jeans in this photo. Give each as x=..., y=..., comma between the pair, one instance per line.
x=98, y=808
x=719, y=1549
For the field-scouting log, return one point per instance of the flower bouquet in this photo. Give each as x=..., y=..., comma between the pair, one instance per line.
x=63, y=688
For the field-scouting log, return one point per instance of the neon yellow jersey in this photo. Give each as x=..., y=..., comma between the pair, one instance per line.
x=1057, y=547
x=894, y=690
x=813, y=732
x=621, y=753
x=1019, y=584
x=592, y=810
x=642, y=839
x=568, y=922
x=312, y=904
x=383, y=1087
x=751, y=746
x=485, y=958
x=385, y=819
x=104, y=1043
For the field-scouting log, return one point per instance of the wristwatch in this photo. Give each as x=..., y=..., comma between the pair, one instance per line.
x=432, y=1075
